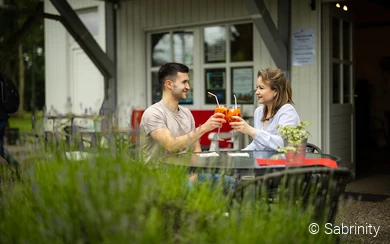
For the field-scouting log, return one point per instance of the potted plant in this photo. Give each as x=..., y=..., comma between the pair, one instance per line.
x=295, y=140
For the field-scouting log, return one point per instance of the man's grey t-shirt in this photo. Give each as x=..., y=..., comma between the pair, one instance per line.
x=160, y=116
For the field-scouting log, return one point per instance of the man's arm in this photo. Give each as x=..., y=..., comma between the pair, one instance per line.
x=176, y=144
x=197, y=147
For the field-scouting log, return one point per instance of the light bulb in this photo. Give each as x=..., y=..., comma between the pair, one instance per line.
x=345, y=8
x=337, y=5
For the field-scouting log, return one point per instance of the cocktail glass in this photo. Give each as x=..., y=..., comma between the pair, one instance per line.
x=223, y=110
x=232, y=111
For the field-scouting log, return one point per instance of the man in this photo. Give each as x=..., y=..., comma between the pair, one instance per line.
x=5, y=158
x=3, y=117
x=166, y=127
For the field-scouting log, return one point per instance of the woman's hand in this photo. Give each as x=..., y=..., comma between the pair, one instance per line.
x=242, y=126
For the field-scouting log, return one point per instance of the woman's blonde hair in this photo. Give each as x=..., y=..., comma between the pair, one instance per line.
x=275, y=78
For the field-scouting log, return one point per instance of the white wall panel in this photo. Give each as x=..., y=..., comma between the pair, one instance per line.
x=56, y=59
x=306, y=82
x=66, y=76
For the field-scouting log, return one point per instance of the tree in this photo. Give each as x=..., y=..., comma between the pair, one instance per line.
x=21, y=47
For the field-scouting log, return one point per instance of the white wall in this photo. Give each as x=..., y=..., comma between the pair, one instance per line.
x=70, y=75
x=306, y=80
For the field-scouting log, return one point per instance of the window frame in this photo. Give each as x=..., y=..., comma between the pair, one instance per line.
x=198, y=84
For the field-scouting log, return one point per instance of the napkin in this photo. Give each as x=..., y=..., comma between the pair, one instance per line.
x=211, y=154
x=327, y=162
x=77, y=155
x=240, y=154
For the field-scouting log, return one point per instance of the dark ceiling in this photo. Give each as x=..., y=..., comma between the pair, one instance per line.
x=369, y=13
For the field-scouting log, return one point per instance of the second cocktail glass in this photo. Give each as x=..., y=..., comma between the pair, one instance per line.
x=232, y=111
x=223, y=110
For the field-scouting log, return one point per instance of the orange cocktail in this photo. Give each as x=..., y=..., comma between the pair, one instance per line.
x=223, y=110
x=233, y=112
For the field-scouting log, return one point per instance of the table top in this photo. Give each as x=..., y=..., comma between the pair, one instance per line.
x=237, y=160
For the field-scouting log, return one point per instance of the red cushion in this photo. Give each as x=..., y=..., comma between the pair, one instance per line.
x=201, y=116
x=136, y=116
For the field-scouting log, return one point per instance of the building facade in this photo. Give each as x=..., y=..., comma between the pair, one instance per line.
x=225, y=43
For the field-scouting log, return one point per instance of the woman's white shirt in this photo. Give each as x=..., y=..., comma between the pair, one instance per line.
x=267, y=138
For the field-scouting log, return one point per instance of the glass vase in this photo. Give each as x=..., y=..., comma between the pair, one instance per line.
x=299, y=155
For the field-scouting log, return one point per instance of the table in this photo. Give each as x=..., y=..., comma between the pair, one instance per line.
x=64, y=125
x=235, y=163
x=71, y=117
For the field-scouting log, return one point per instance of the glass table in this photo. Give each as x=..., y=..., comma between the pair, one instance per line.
x=238, y=163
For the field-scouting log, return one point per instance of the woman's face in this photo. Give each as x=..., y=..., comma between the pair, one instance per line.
x=265, y=95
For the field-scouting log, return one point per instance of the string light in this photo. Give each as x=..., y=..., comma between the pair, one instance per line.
x=338, y=5
x=345, y=8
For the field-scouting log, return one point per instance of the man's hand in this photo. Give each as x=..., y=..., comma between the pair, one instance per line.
x=175, y=144
x=215, y=121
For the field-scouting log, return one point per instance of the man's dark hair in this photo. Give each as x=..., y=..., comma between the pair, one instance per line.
x=169, y=72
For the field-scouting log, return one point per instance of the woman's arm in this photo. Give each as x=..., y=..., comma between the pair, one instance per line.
x=268, y=139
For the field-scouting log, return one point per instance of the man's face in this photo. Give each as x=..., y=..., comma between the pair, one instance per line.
x=180, y=86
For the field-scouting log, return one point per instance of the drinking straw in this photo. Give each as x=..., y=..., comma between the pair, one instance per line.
x=235, y=101
x=216, y=98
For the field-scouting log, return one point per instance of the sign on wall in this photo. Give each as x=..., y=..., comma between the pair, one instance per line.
x=303, y=47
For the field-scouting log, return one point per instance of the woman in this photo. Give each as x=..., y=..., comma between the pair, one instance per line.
x=273, y=91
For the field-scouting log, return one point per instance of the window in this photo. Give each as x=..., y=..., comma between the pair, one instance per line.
x=228, y=63
x=215, y=44
x=220, y=58
x=215, y=83
x=242, y=85
x=241, y=38
x=342, y=62
x=176, y=46
x=90, y=19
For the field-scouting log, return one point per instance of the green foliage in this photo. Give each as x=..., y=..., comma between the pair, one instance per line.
x=11, y=22
x=119, y=199
x=25, y=123
x=293, y=135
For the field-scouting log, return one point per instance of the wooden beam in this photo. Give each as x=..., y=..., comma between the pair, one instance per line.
x=268, y=31
x=83, y=37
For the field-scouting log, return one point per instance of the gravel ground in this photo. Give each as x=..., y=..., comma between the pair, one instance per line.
x=355, y=212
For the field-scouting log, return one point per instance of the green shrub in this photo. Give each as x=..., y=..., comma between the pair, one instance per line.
x=108, y=199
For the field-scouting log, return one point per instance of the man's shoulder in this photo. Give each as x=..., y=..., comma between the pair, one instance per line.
x=153, y=112
x=154, y=108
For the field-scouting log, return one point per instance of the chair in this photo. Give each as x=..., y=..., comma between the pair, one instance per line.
x=214, y=145
x=313, y=148
x=136, y=116
x=317, y=188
